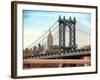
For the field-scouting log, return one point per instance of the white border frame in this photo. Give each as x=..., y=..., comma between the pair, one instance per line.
x=50, y=71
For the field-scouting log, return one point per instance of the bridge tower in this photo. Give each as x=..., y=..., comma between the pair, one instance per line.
x=71, y=24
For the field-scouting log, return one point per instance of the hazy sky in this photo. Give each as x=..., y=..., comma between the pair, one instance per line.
x=35, y=23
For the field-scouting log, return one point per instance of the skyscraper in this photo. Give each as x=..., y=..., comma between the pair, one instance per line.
x=49, y=40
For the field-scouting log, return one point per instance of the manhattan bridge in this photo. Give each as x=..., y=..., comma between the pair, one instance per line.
x=65, y=39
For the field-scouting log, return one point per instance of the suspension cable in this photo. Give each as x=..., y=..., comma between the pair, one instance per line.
x=41, y=36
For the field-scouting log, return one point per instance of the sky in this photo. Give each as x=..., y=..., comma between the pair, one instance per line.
x=35, y=23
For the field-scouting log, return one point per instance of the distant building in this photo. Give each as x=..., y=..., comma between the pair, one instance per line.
x=40, y=48
x=34, y=48
x=49, y=40
x=34, y=51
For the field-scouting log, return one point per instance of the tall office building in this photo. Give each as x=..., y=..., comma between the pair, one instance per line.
x=49, y=40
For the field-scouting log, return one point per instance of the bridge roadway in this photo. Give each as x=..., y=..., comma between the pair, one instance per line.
x=67, y=54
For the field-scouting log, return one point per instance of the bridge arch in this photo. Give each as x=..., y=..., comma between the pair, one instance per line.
x=71, y=24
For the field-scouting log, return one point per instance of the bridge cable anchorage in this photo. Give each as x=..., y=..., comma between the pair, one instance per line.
x=41, y=36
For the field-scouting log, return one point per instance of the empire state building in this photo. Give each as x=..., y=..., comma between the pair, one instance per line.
x=49, y=40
